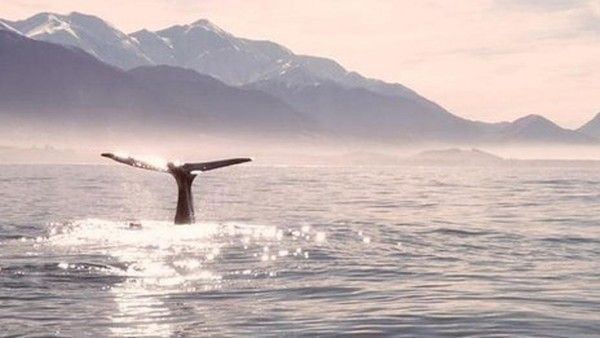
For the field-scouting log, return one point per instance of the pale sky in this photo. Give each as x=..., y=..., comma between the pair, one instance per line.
x=488, y=60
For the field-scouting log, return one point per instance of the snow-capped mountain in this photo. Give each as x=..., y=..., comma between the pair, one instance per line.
x=264, y=84
x=201, y=46
x=54, y=85
x=206, y=48
x=5, y=25
x=87, y=32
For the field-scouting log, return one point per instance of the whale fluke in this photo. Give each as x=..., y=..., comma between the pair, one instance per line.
x=183, y=176
x=136, y=163
x=206, y=166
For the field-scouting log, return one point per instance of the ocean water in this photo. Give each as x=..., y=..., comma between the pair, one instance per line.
x=403, y=251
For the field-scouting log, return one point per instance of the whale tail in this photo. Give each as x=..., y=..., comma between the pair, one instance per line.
x=183, y=176
x=168, y=167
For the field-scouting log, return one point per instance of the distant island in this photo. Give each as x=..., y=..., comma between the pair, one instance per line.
x=456, y=156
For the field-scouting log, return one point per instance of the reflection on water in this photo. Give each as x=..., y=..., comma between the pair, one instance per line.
x=399, y=251
x=161, y=259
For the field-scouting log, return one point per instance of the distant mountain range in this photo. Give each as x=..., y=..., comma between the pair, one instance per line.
x=200, y=77
x=53, y=84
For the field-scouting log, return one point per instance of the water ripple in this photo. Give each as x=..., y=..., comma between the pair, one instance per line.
x=394, y=251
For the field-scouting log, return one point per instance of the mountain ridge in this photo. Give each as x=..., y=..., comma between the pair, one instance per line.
x=51, y=84
x=592, y=127
x=537, y=128
x=266, y=56
x=310, y=88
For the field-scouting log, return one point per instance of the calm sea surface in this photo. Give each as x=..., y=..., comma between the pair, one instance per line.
x=286, y=251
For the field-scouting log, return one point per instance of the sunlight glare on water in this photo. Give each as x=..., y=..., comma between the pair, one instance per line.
x=160, y=257
x=396, y=251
